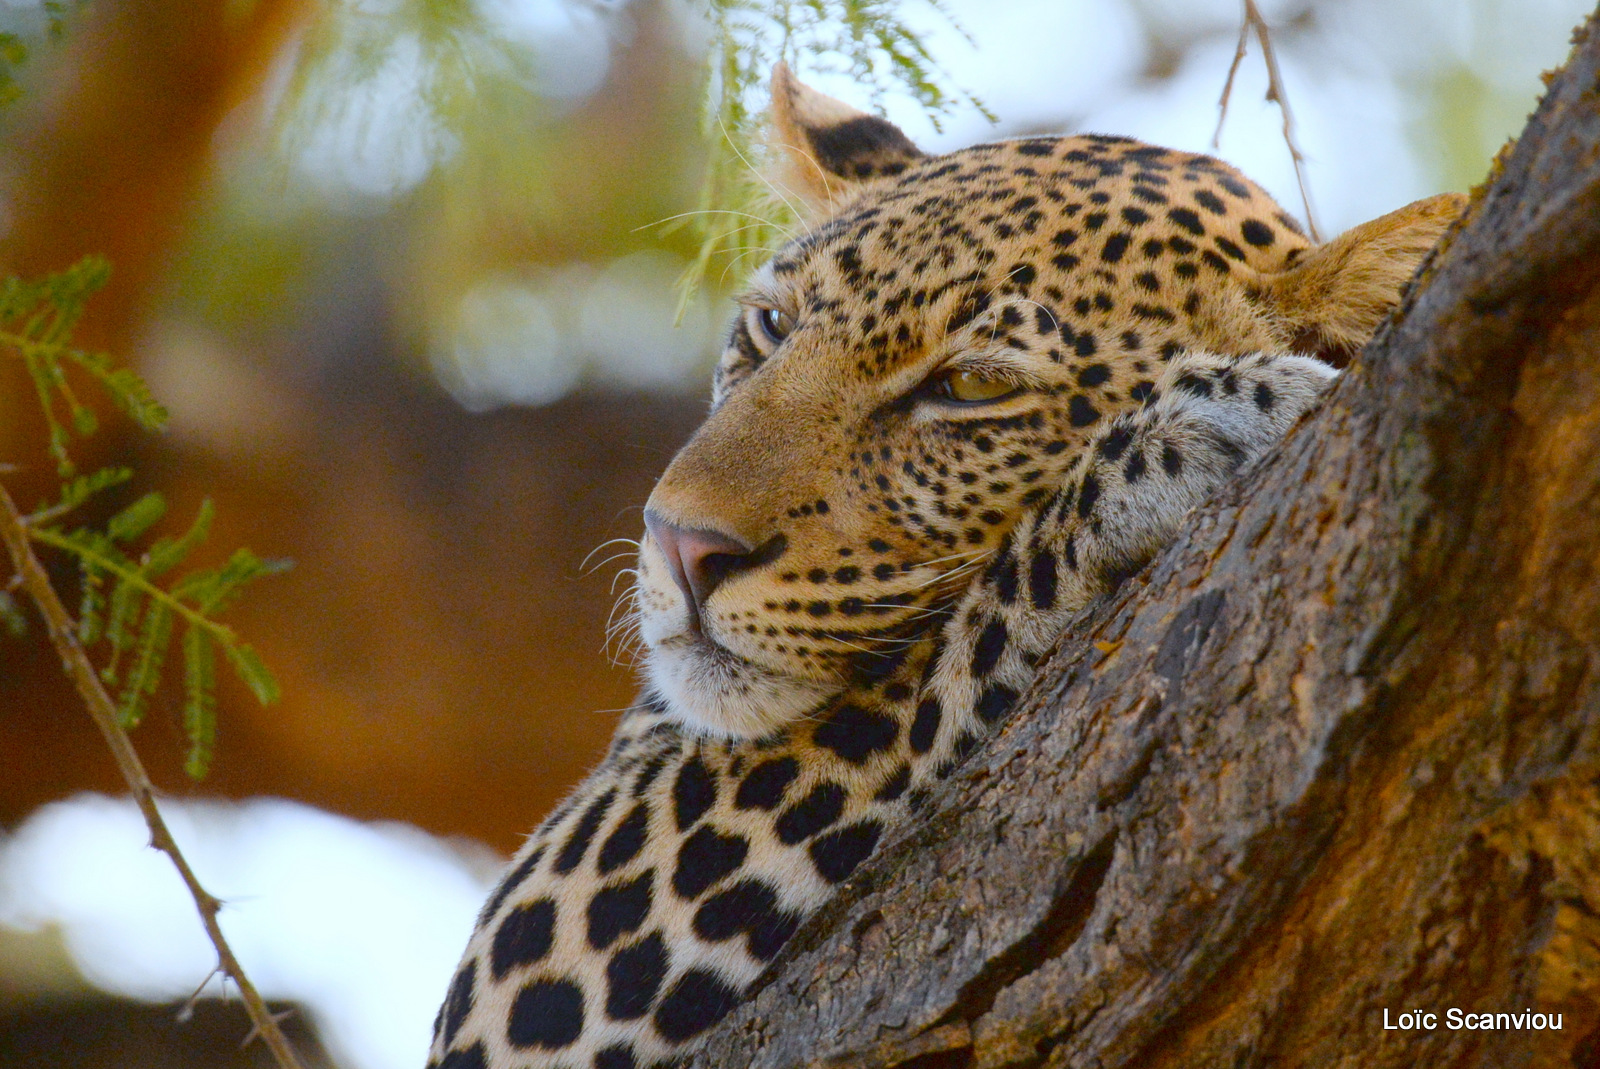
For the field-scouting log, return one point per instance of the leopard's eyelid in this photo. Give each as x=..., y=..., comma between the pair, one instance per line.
x=761, y=297
x=997, y=363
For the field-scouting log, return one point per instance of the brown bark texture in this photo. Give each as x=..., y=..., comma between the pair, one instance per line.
x=1336, y=753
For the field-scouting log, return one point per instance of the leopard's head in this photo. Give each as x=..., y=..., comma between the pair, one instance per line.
x=910, y=374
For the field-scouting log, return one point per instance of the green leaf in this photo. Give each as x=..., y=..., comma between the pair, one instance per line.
x=91, y=604
x=200, y=699
x=168, y=553
x=78, y=490
x=151, y=653
x=127, y=600
x=242, y=568
x=137, y=518
x=248, y=665
x=130, y=392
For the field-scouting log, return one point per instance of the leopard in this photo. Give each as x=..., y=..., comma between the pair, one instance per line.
x=976, y=392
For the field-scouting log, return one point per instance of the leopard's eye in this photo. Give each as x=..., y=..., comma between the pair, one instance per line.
x=774, y=324
x=969, y=387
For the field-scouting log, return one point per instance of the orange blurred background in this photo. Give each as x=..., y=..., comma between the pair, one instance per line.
x=401, y=272
x=438, y=641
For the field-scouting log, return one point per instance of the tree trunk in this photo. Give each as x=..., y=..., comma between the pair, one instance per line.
x=1333, y=758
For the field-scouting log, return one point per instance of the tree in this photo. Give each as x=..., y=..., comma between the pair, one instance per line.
x=1334, y=755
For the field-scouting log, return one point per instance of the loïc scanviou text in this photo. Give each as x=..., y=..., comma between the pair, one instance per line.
x=1457, y=1020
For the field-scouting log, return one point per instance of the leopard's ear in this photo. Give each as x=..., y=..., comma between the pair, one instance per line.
x=1335, y=296
x=826, y=147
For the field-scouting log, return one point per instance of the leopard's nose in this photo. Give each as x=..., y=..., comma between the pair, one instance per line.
x=699, y=559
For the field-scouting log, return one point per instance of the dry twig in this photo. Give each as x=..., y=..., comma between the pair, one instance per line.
x=31, y=573
x=1252, y=20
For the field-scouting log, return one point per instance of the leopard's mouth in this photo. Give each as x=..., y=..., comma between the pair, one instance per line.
x=712, y=690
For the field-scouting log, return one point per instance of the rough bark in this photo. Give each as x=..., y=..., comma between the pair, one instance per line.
x=1336, y=753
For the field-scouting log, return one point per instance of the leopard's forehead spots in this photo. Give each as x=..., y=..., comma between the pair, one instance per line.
x=1126, y=246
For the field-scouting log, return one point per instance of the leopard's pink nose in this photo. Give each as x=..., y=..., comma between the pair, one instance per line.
x=698, y=559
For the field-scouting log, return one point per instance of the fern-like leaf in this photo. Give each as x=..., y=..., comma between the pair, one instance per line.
x=200, y=699
x=249, y=667
x=137, y=518
x=150, y=653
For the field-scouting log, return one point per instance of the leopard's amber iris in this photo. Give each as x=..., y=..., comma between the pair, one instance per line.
x=970, y=387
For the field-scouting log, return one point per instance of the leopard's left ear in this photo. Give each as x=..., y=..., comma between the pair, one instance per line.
x=829, y=148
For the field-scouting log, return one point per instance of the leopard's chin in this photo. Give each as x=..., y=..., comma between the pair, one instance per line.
x=712, y=691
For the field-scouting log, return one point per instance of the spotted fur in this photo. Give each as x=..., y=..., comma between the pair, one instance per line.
x=904, y=557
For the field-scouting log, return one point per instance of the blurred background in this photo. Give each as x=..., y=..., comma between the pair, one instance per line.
x=400, y=271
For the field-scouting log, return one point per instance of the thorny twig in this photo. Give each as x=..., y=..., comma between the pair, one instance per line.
x=14, y=532
x=1275, y=93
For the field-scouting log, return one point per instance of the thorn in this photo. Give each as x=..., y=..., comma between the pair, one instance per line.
x=186, y=1011
x=255, y=1033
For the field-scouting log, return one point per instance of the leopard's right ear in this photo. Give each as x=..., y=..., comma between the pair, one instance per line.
x=827, y=147
x=1335, y=296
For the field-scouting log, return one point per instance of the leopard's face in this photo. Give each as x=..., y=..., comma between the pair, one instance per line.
x=902, y=382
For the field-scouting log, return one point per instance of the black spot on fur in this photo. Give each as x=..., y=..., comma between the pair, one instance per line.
x=1193, y=384
x=837, y=854
x=524, y=937
x=763, y=788
x=1003, y=573
x=633, y=976
x=1134, y=469
x=811, y=814
x=1264, y=398
x=693, y=793
x=1094, y=375
x=855, y=733
x=749, y=908
x=625, y=840
x=547, y=1014
x=512, y=881
x=706, y=857
x=619, y=909
x=647, y=775
x=458, y=1003
x=1087, y=496
x=1257, y=233
x=990, y=645
x=578, y=842
x=995, y=702
x=926, y=725
x=616, y=1056
x=467, y=1058
x=1186, y=218
x=697, y=1001
x=895, y=786
x=1114, y=444
x=1042, y=579
x=1081, y=412
x=1171, y=460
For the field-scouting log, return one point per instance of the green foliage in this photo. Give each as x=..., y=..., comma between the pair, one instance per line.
x=36, y=322
x=129, y=607
x=135, y=620
x=865, y=38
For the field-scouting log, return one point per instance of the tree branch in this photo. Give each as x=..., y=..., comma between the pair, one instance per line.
x=1335, y=755
x=14, y=531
